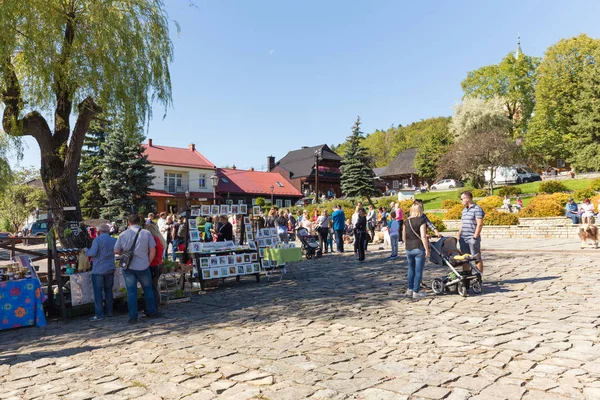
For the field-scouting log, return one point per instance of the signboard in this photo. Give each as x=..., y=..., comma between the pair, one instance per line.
x=74, y=227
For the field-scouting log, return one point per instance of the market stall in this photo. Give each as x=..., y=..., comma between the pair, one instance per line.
x=21, y=297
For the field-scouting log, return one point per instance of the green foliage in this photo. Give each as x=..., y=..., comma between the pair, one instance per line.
x=550, y=187
x=513, y=80
x=436, y=139
x=449, y=203
x=127, y=174
x=178, y=293
x=595, y=185
x=494, y=217
x=559, y=106
x=90, y=170
x=509, y=191
x=581, y=194
x=357, y=176
x=437, y=221
x=490, y=203
x=454, y=212
x=544, y=206
x=18, y=202
x=479, y=193
x=260, y=202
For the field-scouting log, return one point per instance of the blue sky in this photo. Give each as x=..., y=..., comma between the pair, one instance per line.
x=262, y=77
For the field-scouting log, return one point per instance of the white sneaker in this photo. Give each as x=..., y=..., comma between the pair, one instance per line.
x=418, y=295
x=409, y=293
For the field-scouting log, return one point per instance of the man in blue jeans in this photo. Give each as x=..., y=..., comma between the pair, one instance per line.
x=573, y=211
x=103, y=271
x=138, y=271
x=339, y=224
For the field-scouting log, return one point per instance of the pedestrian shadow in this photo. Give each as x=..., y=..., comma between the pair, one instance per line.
x=14, y=359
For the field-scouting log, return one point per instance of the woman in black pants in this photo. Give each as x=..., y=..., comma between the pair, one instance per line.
x=361, y=234
x=322, y=228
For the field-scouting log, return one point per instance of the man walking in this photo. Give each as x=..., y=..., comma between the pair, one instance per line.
x=138, y=271
x=339, y=223
x=103, y=271
x=471, y=223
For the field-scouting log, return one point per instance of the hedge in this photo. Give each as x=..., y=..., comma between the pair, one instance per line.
x=449, y=203
x=490, y=202
x=595, y=185
x=550, y=187
x=581, y=194
x=494, y=217
x=509, y=191
x=478, y=193
x=545, y=206
x=454, y=212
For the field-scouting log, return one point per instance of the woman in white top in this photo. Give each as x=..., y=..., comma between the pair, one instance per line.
x=306, y=223
x=587, y=209
x=322, y=227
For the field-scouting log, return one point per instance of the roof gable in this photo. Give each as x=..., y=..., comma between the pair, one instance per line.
x=176, y=156
x=403, y=164
x=254, y=182
x=301, y=162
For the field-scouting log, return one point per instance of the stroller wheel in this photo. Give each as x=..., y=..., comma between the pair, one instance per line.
x=308, y=256
x=462, y=289
x=476, y=286
x=437, y=285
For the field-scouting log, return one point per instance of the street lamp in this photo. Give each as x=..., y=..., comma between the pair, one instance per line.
x=272, y=187
x=187, y=199
x=214, y=180
x=318, y=156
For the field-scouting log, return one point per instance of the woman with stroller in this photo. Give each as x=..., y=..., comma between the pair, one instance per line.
x=417, y=249
x=322, y=227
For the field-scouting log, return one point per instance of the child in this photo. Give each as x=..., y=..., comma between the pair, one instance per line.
x=394, y=228
x=330, y=236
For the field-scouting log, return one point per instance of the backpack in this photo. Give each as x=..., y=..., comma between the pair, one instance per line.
x=182, y=231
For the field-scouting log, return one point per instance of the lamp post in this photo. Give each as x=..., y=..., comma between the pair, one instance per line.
x=318, y=156
x=214, y=180
x=187, y=199
x=272, y=187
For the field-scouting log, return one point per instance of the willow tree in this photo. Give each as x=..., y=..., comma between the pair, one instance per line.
x=64, y=61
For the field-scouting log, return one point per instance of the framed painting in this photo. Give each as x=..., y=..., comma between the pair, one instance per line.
x=206, y=273
x=214, y=261
x=254, y=257
x=224, y=272
x=247, y=222
x=240, y=270
x=249, y=236
x=193, y=224
x=239, y=258
x=215, y=273
x=232, y=270
x=204, y=262
x=195, y=247
x=248, y=268
x=214, y=210
x=243, y=209
x=224, y=209
x=273, y=231
x=195, y=211
x=256, y=267
x=261, y=243
x=268, y=242
x=230, y=259
x=247, y=258
x=194, y=235
x=222, y=260
x=205, y=210
x=252, y=245
x=235, y=209
x=256, y=210
x=266, y=232
x=261, y=252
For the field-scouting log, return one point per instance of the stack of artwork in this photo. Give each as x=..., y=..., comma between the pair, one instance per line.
x=217, y=266
x=223, y=209
x=194, y=233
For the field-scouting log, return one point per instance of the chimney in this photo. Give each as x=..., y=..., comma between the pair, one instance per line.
x=234, y=167
x=251, y=168
x=149, y=142
x=270, y=163
x=192, y=146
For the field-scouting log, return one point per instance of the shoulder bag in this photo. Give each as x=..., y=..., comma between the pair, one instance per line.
x=127, y=256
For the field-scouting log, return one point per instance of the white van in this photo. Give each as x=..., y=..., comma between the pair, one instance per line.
x=513, y=174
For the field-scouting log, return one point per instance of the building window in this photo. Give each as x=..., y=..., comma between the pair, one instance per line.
x=279, y=184
x=253, y=202
x=229, y=202
x=202, y=181
x=173, y=182
x=278, y=203
x=395, y=184
x=560, y=163
x=288, y=203
x=241, y=201
x=405, y=183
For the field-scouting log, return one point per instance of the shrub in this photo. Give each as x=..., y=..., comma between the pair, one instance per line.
x=455, y=212
x=479, y=193
x=437, y=221
x=509, y=191
x=260, y=201
x=543, y=206
x=494, y=217
x=594, y=200
x=490, y=202
x=385, y=202
x=595, y=185
x=449, y=203
x=561, y=198
x=405, y=205
x=581, y=194
x=552, y=187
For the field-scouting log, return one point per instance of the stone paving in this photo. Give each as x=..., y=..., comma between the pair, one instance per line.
x=340, y=330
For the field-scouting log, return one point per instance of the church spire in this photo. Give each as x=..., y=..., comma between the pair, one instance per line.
x=519, y=52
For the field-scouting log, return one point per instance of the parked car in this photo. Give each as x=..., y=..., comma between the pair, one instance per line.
x=38, y=228
x=446, y=184
x=391, y=192
x=512, y=174
x=304, y=201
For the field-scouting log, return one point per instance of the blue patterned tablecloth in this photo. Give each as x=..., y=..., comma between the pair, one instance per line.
x=21, y=304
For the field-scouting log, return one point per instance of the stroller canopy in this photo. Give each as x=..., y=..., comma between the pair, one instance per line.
x=446, y=246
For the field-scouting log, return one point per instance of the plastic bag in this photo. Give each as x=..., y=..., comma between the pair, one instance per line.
x=84, y=262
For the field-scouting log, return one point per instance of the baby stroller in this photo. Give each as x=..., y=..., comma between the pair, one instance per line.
x=310, y=247
x=445, y=252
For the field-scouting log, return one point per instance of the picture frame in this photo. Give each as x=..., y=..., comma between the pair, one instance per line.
x=194, y=236
x=215, y=273
x=248, y=227
x=256, y=267
x=214, y=261
x=273, y=231
x=261, y=243
x=235, y=209
x=195, y=211
x=256, y=210
x=214, y=210
x=266, y=232
x=266, y=264
x=249, y=236
x=232, y=270
x=193, y=224
x=261, y=252
x=248, y=268
x=195, y=247
x=240, y=269
x=252, y=245
x=222, y=260
x=269, y=242
x=254, y=257
x=204, y=262
x=206, y=273
x=224, y=272
x=243, y=209
x=231, y=259
x=239, y=258
x=224, y=209
x=247, y=258
x=247, y=221
x=205, y=210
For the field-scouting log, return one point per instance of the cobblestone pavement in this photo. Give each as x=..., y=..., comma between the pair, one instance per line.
x=340, y=330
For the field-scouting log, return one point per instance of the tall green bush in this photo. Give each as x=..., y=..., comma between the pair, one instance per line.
x=509, y=191
x=595, y=185
x=550, y=187
x=581, y=194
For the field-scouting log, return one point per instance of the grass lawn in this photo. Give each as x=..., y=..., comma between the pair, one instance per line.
x=433, y=200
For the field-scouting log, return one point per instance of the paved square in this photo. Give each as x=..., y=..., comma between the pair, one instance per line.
x=340, y=330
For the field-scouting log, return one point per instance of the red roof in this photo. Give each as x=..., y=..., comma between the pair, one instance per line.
x=176, y=156
x=254, y=182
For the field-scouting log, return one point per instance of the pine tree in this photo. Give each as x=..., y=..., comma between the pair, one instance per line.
x=357, y=175
x=90, y=170
x=127, y=175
